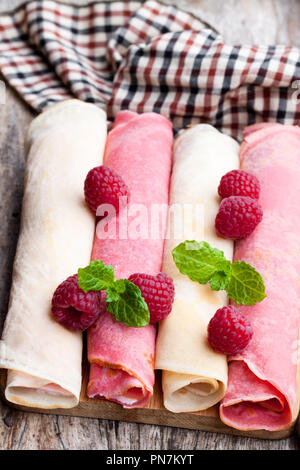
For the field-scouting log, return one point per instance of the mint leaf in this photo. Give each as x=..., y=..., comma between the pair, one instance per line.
x=111, y=295
x=119, y=285
x=220, y=279
x=96, y=276
x=130, y=308
x=123, y=298
x=201, y=262
x=112, y=292
x=246, y=286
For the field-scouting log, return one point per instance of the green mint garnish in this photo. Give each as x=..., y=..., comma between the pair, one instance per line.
x=130, y=308
x=246, y=286
x=123, y=298
x=220, y=279
x=96, y=276
x=203, y=264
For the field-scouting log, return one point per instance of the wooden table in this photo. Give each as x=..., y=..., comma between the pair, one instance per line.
x=240, y=21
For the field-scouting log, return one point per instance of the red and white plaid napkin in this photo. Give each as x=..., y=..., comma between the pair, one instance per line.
x=146, y=57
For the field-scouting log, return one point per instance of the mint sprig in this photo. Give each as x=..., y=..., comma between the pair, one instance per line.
x=96, y=276
x=130, y=308
x=204, y=264
x=123, y=298
x=246, y=286
x=201, y=262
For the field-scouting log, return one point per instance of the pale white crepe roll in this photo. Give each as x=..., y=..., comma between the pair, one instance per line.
x=194, y=376
x=42, y=357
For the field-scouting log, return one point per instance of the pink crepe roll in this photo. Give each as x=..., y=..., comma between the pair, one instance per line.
x=262, y=382
x=139, y=148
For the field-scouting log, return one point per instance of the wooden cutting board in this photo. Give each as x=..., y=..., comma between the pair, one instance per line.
x=155, y=413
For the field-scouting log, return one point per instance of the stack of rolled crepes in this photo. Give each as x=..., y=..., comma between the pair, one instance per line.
x=139, y=148
x=262, y=382
x=194, y=376
x=42, y=357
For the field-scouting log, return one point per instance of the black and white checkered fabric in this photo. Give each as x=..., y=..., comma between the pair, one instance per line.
x=146, y=57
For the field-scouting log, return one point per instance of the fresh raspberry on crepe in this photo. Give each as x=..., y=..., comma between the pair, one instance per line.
x=73, y=308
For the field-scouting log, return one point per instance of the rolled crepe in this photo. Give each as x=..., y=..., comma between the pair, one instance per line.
x=194, y=376
x=262, y=383
x=139, y=148
x=42, y=357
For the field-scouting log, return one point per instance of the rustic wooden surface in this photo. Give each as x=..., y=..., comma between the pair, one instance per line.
x=240, y=21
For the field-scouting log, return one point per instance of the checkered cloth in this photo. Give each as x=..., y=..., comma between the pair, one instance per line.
x=146, y=57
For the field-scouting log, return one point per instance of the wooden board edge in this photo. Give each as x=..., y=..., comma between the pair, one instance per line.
x=102, y=409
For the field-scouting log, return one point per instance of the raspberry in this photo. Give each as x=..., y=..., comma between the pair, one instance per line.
x=229, y=332
x=239, y=183
x=104, y=186
x=73, y=308
x=158, y=292
x=237, y=217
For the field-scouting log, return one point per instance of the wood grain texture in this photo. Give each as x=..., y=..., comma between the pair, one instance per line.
x=239, y=21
